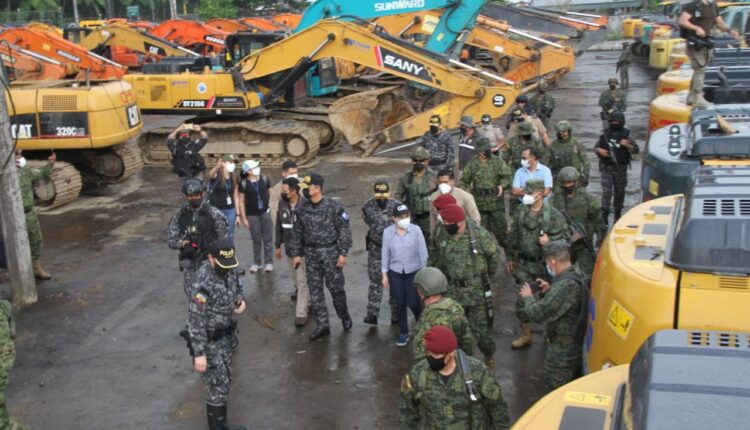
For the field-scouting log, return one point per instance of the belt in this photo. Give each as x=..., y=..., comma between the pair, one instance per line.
x=562, y=340
x=320, y=245
x=485, y=192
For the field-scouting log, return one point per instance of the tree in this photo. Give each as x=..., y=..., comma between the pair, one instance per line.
x=217, y=9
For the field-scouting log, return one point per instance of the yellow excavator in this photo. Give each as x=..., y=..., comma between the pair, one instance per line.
x=86, y=123
x=511, y=58
x=368, y=119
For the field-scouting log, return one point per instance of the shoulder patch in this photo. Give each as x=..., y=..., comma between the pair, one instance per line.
x=200, y=299
x=344, y=215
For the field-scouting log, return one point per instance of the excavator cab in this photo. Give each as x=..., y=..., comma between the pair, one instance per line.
x=243, y=43
x=76, y=34
x=322, y=79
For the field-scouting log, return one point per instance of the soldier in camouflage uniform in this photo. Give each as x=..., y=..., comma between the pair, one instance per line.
x=583, y=209
x=535, y=224
x=377, y=213
x=437, y=392
x=323, y=236
x=562, y=308
x=614, y=148
x=566, y=150
x=468, y=256
x=486, y=177
x=216, y=294
x=193, y=228
x=525, y=137
x=623, y=63
x=438, y=143
x=431, y=284
x=415, y=188
x=28, y=177
x=7, y=358
x=612, y=100
x=543, y=104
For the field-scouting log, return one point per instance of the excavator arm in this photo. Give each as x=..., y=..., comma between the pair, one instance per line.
x=466, y=90
x=86, y=62
x=459, y=16
x=25, y=65
x=192, y=35
x=229, y=25
x=138, y=41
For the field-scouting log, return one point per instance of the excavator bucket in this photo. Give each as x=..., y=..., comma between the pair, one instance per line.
x=360, y=115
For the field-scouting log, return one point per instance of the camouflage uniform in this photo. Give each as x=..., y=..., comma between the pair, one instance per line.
x=543, y=105
x=415, y=192
x=213, y=298
x=582, y=208
x=481, y=178
x=523, y=245
x=614, y=169
x=512, y=154
x=623, y=63
x=210, y=225
x=7, y=358
x=611, y=101
x=28, y=177
x=454, y=257
x=429, y=403
x=442, y=150
x=321, y=234
x=377, y=220
x=446, y=312
x=563, y=153
x=560, y=310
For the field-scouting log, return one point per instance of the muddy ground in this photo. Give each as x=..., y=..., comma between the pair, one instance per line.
x=100, y=350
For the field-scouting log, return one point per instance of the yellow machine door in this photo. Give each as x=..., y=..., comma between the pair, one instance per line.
x=713, y=302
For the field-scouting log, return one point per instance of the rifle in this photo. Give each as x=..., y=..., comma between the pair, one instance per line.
x=486, y=284
x=463, y=365
x=578, y=231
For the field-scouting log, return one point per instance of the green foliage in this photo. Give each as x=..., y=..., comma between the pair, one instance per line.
x=217, y=9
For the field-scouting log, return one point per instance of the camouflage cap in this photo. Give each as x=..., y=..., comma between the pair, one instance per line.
x=533, y=185
x=613, y=81
x=420, y=153
x=568, y=174
x=555, y=247
x=430, y=281
x=563, y=125
x=525, y=128
x=483, y=144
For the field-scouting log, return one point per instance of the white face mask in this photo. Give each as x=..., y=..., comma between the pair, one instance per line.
x=404, y=223
x=445, y=188
x=293, y=175
x=255, y=171
x=525, y=163
x=21, y=162
x=486, y=126
x=527, y=199
x=230, y=167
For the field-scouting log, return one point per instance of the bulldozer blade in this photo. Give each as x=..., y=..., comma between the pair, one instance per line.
x=365, y=114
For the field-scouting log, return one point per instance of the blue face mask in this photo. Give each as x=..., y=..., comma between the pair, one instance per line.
x=550, y=272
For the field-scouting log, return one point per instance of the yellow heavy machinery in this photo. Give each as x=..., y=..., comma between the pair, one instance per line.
x=86, y=124
x=512, y=58
x=676, y=262
x=678, y=380
x=367, y=119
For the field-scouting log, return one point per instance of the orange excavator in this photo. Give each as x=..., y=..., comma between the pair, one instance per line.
x=193, y=35
x=81, y=62
x=264, y=24
x=24, y=65
x=290, y=20
x=229, y=25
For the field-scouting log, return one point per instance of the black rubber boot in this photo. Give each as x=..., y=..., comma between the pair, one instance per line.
x=319, y=333
x=217, y=418
x=370, y=319
x=618, y=214
x=605, y=216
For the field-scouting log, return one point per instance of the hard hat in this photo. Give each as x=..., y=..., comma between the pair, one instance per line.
x=420, y=153
x=431, y=281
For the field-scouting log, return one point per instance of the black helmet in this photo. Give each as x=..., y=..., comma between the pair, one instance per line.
x=523, y=98
x=192, y=186
x=617, y=116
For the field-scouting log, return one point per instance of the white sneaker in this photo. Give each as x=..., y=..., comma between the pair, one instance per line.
x=253, y=268
x=268, y=268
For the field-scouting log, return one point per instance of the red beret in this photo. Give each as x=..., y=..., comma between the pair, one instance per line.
x=452, y=214
x=443, y=200
x=440, y=340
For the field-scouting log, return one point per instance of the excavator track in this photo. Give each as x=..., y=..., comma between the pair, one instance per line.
x=316, y=117
x=112, y=165
x=271, y=140
x=63, y=186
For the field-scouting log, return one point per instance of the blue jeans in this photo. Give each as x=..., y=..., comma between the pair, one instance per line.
x=231, y=216
x=402, y=287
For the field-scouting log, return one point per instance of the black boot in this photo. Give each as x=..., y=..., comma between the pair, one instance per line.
x=618, y=214
x=319, y=333
x=217, y=418
x=605, y=216
x=371, y=319
x=234, y=340
x=347, y=322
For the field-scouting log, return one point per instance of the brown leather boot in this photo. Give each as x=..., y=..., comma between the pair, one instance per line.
x=39, y=273
x=524, y=340
x=490, y=363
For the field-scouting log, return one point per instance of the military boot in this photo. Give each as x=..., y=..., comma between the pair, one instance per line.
x=618, y=214
x=605, y=217
x=217, y=418
x=524, y=340
x=39, y=273
x=489, y=361
x=319, y=333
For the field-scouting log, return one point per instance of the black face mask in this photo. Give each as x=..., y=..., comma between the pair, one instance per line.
x=436, y=364
x=306, y=193
x=452, y=229
x=519, y=119
x=527, y=136
x=382, y=203
x=221, y=271
x=612, y=87
x=184, y=140
x=285, y=197
x=569, y=190
x=419, y=166
x=559, y=136
x=434, y=129
x=463, y=130
x=195, y=203
x=616, y=126
x=487, y=153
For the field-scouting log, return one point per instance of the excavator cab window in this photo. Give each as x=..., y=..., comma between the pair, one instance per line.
x=242, y=44
x=76, y=34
